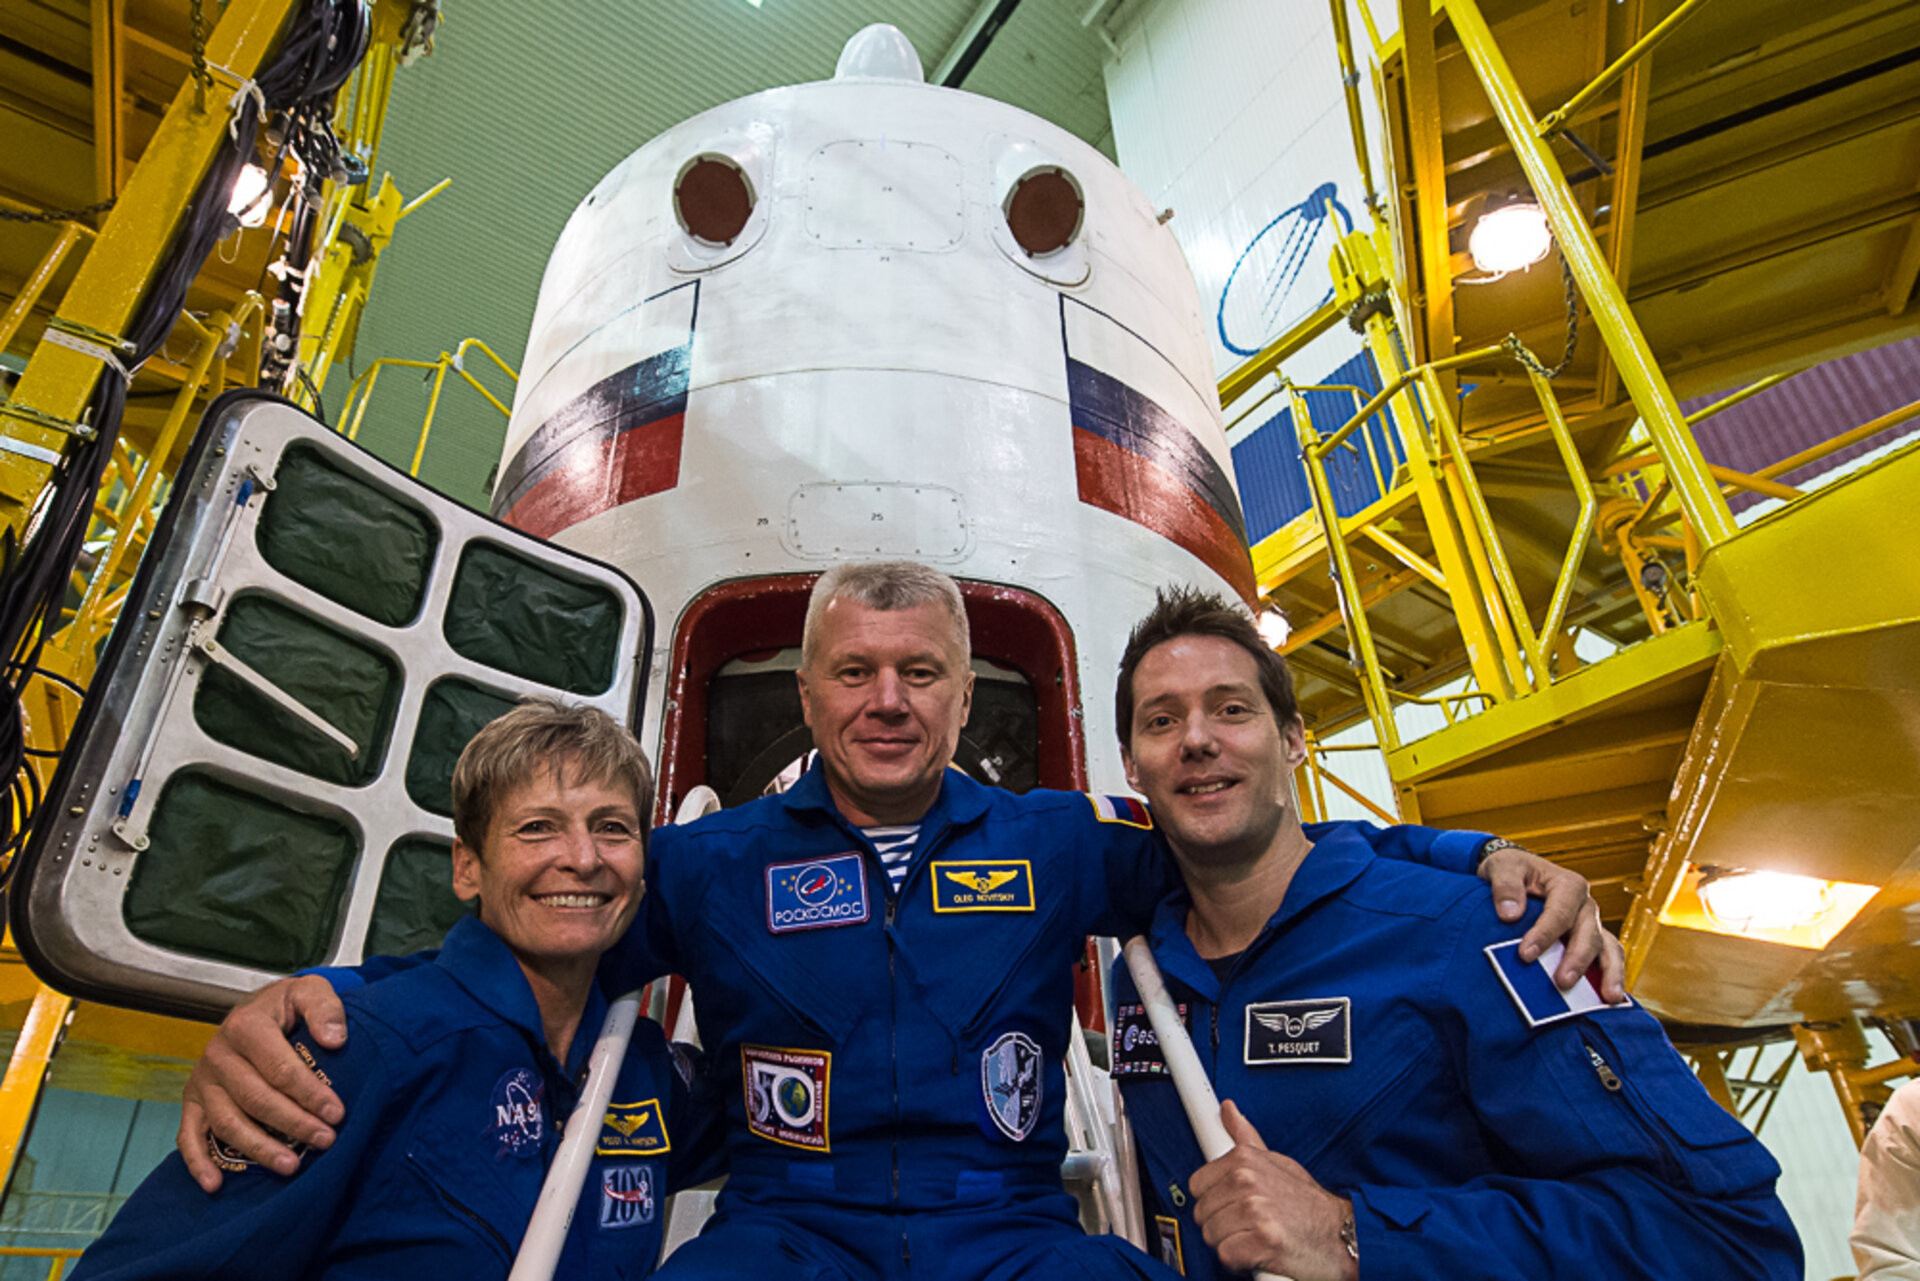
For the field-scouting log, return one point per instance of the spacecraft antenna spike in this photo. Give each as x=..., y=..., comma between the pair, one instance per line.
x=879, y=52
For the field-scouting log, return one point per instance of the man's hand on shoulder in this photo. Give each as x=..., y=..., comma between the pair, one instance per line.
x=1258, y=1209
x=251, y=1081
x=1568, y=914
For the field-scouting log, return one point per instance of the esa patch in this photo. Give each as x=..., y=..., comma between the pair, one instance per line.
x=516, y=1122
x=632, y=1129
x=787, y=1094
x=1122, y=809
x=626, y=1196
x=1167, y=1235
x=1136, y=1049
x=983, y=887
x=1318, y=1031
x=1010, y=1083
x=1538, y=998
x=817, y=894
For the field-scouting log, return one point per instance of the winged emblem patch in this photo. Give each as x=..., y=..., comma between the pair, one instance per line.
x=1312, y=1031
x=1289, y=1025
x=982, y=882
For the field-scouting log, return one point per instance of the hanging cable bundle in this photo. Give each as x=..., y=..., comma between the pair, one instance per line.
x=324, y=42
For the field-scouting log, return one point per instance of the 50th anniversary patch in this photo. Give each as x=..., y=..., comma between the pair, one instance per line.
x=817, y=893
x=787, y=1094
x=1316, y=1031
x=983, y=887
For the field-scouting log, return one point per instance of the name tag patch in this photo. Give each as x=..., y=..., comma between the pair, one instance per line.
x=1315, y=1031
x=1122, y=809
x=1010, y=1083
x=787, y=1094
x=516, y=1120
x=983, y=887
x=1533, y=990
x=1168, y=1231
x=626, y=1196
x=632, y=1129
x=817, y=894
x=1136, y=1050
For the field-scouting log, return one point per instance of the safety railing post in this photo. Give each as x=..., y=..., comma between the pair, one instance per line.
x=1346, y=586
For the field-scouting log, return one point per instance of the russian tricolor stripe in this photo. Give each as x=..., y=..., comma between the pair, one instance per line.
x=619, y=439
x=1122, y=809
x=1137, y=459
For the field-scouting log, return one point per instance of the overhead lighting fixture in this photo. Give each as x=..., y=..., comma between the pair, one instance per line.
x=252, y=196
x=1765, y=900
x=1274, y=627
x=1509, y=237
x=1767, y=906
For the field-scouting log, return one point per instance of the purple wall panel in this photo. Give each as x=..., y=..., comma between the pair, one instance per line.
x=1808, y=408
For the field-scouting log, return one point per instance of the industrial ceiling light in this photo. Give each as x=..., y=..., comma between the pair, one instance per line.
x=252, y=196
x=1509, y=237
x=1274, y=628
x=1749, y=901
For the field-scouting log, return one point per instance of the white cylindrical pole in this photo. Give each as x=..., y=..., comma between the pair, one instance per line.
x=560, y=1194
x=1183, y=1065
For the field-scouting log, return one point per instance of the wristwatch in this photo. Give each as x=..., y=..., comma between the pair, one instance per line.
x=1350, y=1237
x=1497, y=843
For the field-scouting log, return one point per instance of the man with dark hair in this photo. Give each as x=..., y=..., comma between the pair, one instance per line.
x=882, y=959
x=1408, y=1096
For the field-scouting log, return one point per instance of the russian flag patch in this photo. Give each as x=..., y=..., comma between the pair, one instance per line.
x=1122, y=809
x=1533, y=990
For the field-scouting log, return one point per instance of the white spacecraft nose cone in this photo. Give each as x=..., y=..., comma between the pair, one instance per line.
x=879, y=52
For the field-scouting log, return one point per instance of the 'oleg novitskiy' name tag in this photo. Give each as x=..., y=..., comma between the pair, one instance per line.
x=1312, y=1031
x=983, y=886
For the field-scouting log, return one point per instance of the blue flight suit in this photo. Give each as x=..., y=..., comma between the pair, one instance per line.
x=454, y=1111
x=892, y=1063
x=1367, y=1034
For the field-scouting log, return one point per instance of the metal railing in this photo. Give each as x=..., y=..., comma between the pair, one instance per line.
x=355, y=410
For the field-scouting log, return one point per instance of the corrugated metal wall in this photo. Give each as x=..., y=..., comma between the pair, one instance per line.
x=1811, y=407
x=1273, y=480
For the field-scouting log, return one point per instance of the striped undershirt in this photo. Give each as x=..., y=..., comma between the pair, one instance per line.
x=895, y=846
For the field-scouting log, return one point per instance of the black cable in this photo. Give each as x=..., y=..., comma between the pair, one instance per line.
x=323, y=44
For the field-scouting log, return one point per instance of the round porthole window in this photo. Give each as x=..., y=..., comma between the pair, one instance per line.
x=1044, y=211
x=713, y=200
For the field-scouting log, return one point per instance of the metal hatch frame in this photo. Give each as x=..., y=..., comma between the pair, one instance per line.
x=66, y=904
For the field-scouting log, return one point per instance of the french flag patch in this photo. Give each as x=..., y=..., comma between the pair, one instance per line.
x=1122, y=809
x=1533, y=990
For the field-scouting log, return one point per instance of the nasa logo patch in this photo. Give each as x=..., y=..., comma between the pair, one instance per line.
x=817, y=894
x=1010, y=1083
x=787, y=1094
x=983, y=887
x=626, y=1196
x=515, y=1120
x=1317, y=1031
x=1136, y=1050
x=632, y=1129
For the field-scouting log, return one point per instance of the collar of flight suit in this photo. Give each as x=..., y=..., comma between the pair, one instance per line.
x=1338, y=856
x=482, y=964
x=961, y=800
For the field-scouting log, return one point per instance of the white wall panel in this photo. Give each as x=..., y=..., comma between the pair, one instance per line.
x=1230, y=112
